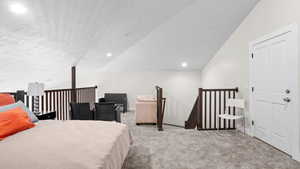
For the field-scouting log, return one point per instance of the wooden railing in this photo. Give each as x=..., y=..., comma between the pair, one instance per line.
x=58, y=100
x=209, y=104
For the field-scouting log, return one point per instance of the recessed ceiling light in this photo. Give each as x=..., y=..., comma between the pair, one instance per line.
x=109, y=55
x=184, y=64
x=18, y=8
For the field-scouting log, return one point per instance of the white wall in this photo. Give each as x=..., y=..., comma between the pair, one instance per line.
x=230, y=66
x=180, y=89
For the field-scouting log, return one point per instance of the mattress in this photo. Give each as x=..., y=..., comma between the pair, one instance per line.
x=67, y=145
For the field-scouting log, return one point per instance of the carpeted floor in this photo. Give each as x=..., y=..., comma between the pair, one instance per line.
x=177, y=148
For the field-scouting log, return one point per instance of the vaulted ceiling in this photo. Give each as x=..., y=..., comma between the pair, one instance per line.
x=55, y=34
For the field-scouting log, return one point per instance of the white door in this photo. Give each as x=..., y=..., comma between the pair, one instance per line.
x=272, y=86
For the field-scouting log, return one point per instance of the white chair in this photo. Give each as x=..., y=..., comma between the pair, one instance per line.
x=238, y=104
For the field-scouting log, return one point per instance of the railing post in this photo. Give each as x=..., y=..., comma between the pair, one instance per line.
x=20, y=95
x=73, y=92
x=159, y=109
x=200, y=109
x=237, y=89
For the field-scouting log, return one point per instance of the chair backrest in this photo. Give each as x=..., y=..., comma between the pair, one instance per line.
x=118, y=98
x=81, y=111
x=105, y=111
x=237, y=103
x=101, y=100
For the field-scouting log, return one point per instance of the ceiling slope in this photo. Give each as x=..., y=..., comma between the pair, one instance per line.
x=192, y=36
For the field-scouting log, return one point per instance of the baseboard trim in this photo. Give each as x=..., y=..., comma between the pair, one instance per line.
x=150, y=124
x=174, y=125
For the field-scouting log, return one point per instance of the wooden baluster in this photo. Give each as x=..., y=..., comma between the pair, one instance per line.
x=54, y=104
x=224, y=122
x=57, y=106
x=68, y=104
x=32, y=103
x=46, y=100
x=210, y=119
x=84, y=99
x=64, y=105
x=51, y=101
x=77, y=96
x=229, y=109
x=82, y=95
x=205, y=113
x=215, y=109
x=220, y=108
x=60, y=105
x=234, y=111
x=42, y=103
x=69, y=101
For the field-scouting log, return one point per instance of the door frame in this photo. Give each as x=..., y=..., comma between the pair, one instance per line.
x=295, y=123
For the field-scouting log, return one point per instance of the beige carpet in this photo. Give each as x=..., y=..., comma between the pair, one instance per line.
x=177, y=148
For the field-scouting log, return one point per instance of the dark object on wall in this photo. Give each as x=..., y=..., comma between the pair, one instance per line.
x=81, y=111
x=161, y=102
x=117, y=98
x=209, y=104
x=106, y=111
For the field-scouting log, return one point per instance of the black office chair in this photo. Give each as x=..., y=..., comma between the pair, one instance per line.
x=81, y=111
x=106, y=111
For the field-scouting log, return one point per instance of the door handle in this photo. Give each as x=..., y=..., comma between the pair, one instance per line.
x=287, y=99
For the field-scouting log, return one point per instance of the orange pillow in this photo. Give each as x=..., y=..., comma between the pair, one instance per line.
x=14, y=121
x=6, y=99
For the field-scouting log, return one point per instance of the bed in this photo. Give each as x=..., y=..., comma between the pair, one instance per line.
x=67, y=145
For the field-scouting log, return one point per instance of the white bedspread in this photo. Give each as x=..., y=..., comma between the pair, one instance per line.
x=67, y=145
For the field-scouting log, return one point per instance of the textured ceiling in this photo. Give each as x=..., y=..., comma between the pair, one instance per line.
x=56, y=34
x=76, y=26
